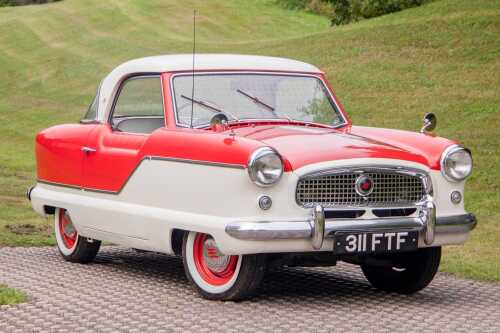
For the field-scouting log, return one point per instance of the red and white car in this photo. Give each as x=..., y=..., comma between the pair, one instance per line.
x=247, y=162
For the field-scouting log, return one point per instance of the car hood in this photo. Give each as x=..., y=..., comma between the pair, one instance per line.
x=303, y=145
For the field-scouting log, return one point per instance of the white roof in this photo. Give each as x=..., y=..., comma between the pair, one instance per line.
x=184, y=62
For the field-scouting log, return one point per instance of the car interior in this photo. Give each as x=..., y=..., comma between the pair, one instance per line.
x=143, y=124
x=139, y=106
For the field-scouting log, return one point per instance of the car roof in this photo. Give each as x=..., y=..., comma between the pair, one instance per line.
x=184, y=62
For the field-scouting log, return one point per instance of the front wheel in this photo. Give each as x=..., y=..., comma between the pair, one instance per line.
x=408, y=273
x=72, y=246
x=218, y=276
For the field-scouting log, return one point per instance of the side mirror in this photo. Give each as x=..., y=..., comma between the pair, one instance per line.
x=430, y=122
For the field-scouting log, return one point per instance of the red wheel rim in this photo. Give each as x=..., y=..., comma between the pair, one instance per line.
x=68, y=232
x=214, y=267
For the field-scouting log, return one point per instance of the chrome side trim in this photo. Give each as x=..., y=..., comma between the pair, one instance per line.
x=47, y=182
x=209, y=163
x=145, y=158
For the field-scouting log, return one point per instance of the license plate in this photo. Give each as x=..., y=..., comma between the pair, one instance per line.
x=375, y=242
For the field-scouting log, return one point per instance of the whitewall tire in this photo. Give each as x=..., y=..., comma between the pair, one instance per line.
x=71, y=245
x=218, y=276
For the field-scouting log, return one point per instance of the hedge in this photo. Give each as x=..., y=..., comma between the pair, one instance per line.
x=4, y=3
x=346, y=11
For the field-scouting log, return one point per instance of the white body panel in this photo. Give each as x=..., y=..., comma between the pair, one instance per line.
x=165, y=195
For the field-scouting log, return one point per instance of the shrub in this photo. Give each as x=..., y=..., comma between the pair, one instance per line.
x=4, y=3
x=346, y=11
x=292, y=4
x=321, y=7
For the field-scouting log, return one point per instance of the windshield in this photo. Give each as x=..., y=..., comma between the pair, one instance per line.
x=253, y=96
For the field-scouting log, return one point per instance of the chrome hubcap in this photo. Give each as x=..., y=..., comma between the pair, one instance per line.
x=68, y=228
x=215, y=261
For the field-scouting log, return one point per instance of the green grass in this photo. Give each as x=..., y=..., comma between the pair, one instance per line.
x=443, y=57
x=10, y=296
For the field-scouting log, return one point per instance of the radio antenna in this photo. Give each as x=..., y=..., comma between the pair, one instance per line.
x=192, y=72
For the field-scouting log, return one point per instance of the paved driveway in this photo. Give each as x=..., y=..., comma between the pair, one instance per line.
x=127, y=291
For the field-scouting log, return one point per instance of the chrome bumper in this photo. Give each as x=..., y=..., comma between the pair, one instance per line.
x=317, y=228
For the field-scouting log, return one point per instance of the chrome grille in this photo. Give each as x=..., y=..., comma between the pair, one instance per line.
x=390, y=189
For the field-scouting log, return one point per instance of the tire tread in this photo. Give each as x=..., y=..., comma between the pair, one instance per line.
x=422, y=269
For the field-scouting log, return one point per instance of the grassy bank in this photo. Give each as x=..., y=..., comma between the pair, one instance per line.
x=442, y=57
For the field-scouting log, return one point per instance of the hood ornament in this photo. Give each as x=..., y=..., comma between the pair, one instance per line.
x=430, y=121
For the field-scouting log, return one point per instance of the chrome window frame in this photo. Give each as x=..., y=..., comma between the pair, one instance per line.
x=408, y=171
x=119, y=90
x=330, y=96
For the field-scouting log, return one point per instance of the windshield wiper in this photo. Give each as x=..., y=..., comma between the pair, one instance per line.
x=208, y=106
x=202, y=103
x=256, y=100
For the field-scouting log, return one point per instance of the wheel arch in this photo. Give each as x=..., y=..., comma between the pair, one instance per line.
x=49, y=210
x=176, y=239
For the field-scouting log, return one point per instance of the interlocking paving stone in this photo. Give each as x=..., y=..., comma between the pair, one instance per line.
x=127, y=291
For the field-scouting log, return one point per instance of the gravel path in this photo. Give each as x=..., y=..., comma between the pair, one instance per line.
x=126, y=291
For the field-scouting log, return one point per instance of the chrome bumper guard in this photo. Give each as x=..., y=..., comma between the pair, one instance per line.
x=317, y=228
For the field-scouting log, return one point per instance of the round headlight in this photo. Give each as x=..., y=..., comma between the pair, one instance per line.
x=265, y=167
x=456, y=163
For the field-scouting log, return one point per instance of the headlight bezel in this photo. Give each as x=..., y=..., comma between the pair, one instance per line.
x=252, y=164
x=445, y=156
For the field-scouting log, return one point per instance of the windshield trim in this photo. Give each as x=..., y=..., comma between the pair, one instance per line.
x=330, y=96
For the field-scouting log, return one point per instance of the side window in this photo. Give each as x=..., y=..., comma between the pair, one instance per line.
x=92, y=110
x=139, y=107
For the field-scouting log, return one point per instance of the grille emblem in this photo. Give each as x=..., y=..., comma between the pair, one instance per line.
x=364, y=185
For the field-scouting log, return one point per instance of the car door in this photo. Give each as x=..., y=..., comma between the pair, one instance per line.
x=114, y=147
x=113, y=153
x=59, y=150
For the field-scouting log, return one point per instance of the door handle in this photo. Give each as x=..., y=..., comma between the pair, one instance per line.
x=88, y=150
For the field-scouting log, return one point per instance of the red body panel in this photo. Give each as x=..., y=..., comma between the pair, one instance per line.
x=58, y=153
x=167, y=100
x=301, y=145
x=115, y=158
x=428, y=146
x=200, y=145
x=117, y=154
